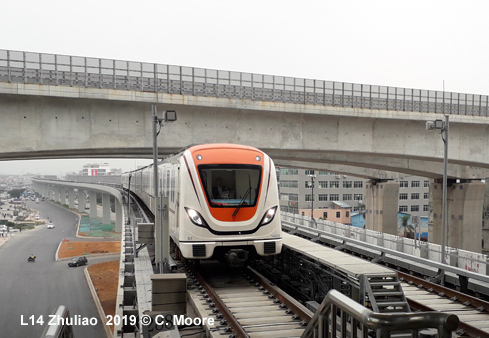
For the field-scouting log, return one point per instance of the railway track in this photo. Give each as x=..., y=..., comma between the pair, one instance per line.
x=246, y=304
x=425, y=296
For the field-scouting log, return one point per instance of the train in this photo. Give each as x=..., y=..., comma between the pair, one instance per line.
x=223, y=201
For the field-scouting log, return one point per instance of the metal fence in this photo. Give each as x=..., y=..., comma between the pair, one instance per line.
x=64, y=70
x=460, y=262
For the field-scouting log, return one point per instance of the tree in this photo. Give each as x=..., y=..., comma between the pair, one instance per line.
x=408, y=228
x=16, y=193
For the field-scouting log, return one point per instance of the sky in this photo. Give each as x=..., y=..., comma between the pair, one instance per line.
x=425, y=44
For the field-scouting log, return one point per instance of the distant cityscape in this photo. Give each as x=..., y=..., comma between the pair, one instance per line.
x=337, y=198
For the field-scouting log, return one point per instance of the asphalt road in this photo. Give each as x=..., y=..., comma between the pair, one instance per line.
x=30, y=292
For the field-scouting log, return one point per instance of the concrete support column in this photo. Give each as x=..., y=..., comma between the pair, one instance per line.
x=381, y=206
x=57, y=194
x=71, y=198
x=465, y=205
x=93, y=204
x=50, y=192
x=485, y=221
x=106, y=209
x=62, y=195
x=118, y=216
x=82, y=202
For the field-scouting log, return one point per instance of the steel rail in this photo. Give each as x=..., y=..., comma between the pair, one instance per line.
x=298, y=309
x=464, y=299
x=223, y=309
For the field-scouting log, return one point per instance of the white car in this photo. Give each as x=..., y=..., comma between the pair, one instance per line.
x=37, y=217
x=50, y=226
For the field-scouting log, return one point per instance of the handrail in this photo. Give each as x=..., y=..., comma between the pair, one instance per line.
x=392, y=252
x=321, y=325
x=75, y=71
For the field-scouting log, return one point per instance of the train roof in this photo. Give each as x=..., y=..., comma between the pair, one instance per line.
x=200, y=147
x=221, y=146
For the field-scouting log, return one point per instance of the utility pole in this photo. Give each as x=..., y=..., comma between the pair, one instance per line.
x=313, y=221
x=162, y=231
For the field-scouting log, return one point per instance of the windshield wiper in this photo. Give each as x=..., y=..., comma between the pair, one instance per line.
x=248, y=192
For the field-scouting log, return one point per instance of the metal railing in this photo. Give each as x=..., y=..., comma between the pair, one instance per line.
x=428, y=253
x=64, y=70
x=339, y=313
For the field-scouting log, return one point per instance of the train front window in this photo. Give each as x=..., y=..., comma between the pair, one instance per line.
x=227, y=185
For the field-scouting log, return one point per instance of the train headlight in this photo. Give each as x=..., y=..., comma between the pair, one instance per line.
x=195, y=217
x=269, y=215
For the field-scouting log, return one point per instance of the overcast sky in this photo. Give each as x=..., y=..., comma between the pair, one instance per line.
x=412, y=44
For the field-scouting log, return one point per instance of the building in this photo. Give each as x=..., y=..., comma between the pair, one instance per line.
x=96, y=169
x=96, y=173
x=339, y=213
x=296, y=192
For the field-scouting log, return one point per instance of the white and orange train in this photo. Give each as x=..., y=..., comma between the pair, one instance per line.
x=223, y=201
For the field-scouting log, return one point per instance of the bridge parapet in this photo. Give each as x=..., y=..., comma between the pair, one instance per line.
x=75, y=71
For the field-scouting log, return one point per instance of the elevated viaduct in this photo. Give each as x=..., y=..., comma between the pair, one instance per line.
x=57, y=106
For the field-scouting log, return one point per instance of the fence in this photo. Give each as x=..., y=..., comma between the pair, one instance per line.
x=469, y=261
x=64, y=70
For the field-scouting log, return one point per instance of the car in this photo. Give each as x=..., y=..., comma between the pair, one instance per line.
x=37, y=217
x=50, y=226
x=77, y=261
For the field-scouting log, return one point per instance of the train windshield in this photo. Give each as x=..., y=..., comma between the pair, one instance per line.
x=228, y=185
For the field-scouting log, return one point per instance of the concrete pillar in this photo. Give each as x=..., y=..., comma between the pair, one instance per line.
x=93, y=204
x=118, y=216
x=106, y=209
x=485, y=221
x=381, y=206
x=50, y=192
x=71, y=198
x=82, y=202
x=465, y=203
x=57, y=194
x=62, y=195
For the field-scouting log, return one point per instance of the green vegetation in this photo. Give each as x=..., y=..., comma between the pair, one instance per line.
x=16, y=193
x=408, y=228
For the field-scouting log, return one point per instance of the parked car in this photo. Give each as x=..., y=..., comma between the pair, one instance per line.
x=77, y=261
x=37, y=217
x=51, y=226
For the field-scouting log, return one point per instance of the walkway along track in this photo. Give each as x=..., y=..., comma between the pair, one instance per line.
x=249, y=304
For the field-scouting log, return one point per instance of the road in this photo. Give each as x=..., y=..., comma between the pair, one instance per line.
x=31, y=291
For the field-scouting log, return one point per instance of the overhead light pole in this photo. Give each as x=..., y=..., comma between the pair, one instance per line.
x=162, y=233
x=443, y=126
x=313, y=221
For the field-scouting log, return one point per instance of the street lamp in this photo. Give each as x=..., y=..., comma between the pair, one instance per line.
x=443, y=127
x=312, y=199
x=162, y=234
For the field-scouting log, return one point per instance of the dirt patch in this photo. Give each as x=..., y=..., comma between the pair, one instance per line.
x=105, y=277
x=79, y=248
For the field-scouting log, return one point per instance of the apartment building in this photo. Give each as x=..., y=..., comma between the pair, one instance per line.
x=296, y=192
